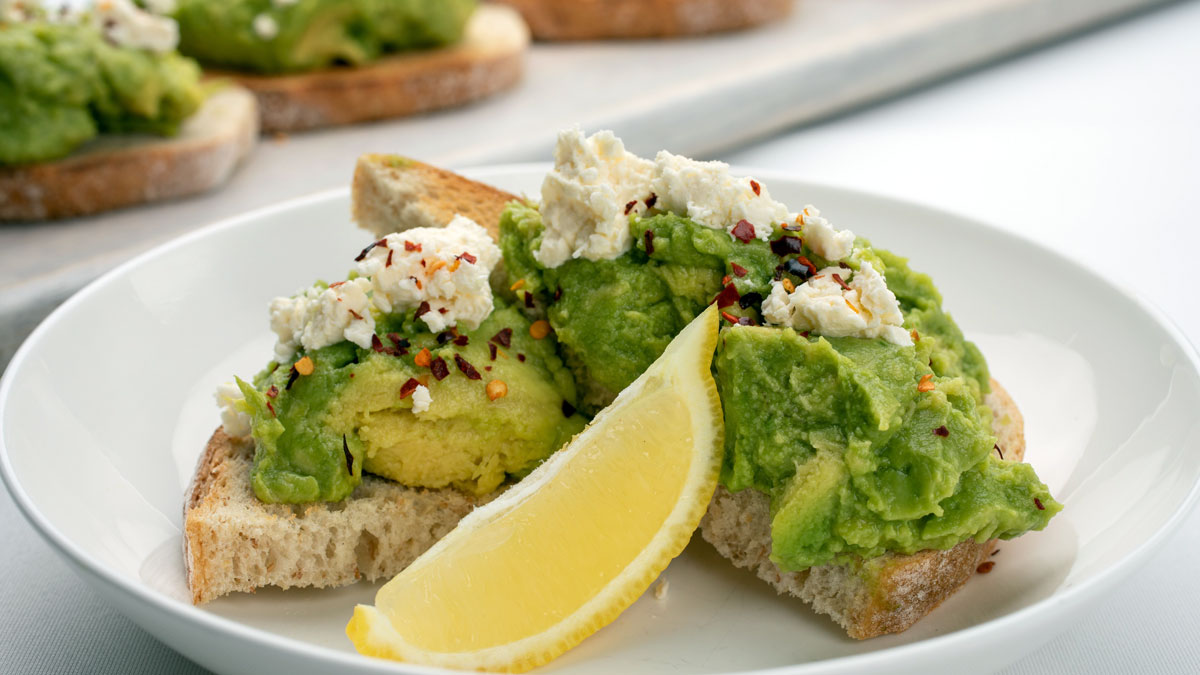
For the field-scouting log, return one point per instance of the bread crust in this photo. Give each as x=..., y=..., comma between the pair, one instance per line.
x=489, y=59
x=868, y=598
x=112, y=172
x=606, y=19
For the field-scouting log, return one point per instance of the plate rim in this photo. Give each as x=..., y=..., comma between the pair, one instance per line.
x=1008, y=624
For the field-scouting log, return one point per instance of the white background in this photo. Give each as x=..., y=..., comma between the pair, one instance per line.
x=1091, y=146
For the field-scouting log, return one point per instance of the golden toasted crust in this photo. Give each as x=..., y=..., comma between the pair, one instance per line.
x=602, y=19
x=117, y=171
x=489, y=59
x=869, y=598
x=393, y=194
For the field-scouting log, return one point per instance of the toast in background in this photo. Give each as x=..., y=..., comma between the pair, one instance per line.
x=605, y=19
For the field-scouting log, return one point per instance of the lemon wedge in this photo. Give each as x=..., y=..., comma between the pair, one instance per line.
x=562, y=553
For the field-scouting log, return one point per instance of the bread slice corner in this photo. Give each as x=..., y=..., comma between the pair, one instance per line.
x=868, y=598
x=617, y=19
x=488, y=59
x=115, y=171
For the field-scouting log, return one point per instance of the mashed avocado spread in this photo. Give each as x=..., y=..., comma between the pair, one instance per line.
x=63, y=83
x=857, y=455
x=269, y=36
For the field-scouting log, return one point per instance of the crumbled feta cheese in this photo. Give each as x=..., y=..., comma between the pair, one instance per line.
x=867, y=309
x=128, y=25
x=265, y=26
x=587, y=199
x=320, y=317
x=229, y=399
x=707, y=193
x=433, y=265
x=831, y=244
x=421, y=399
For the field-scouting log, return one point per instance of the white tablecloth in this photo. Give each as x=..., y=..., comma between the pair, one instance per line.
x=1092, y=146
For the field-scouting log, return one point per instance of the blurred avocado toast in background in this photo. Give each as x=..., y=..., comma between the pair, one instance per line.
x=316, y=63
x=99, y=111
x=865, y=442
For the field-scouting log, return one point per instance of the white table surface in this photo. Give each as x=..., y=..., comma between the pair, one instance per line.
x=1092, y=146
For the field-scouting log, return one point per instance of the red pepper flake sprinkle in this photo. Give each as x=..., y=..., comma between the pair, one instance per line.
x=942, y=431
x=400, y=342
x=349, y=457
x=651, y=200
x=461, y=340
x=408, y=387
x=1038, y=503
x=409, y=246
x=738, y=270
x=843, y=266
x=787, y=246
x=648, y=237
x=916, y=337
x=336, y=284
x=729, y=317
x=629, y=206
x=756, y=187
x=468, y=257
x=304, y=366
x=443, y=310
x=272, y=392
x=557, y=293
x=376, y=344
x=521, y=357
x=985, y=567
x=439, y=369
x=492, y=350
x=496, y=389
x=271, y=408
x=838, y=278
x=528, y=300
x=389, y=258
x=539, y=329
x=727, y=296
x=725, y=280
x=488, y=368
x=355, y=314
x=504, y=337
x=517, y=284
x=362, y=254
x=466, y=368
x=926, y=383
x=423, y=358
x=804, y=334
x=998, y=452
x=743, y=231
x=423, y=308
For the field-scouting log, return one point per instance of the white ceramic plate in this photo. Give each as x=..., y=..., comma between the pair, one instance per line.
x=104, y=411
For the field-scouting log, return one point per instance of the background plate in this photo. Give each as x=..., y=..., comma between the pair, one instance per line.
x=105, y=409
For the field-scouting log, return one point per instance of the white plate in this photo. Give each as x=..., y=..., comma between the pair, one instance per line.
x=104, y=411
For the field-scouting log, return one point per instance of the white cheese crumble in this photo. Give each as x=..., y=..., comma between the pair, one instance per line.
x=587, y=199
x=831, y=244
x=235, y=422
x=128, y=25
x=866, y=309
x=320, y=317
x=421, y=399
x=265, y=26
x=434, y=265
x=707, y=193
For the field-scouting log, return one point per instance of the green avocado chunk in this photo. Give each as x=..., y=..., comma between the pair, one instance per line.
x=316, y=434
x=62, y=84
x=267, y=36
x=856, y=460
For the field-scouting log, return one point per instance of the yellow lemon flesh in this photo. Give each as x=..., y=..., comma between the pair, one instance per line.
x=562, y=553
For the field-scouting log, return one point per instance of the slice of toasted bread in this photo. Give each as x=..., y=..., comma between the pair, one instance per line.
x=604, y=19
x=121, y=170
x=392, y=194
x=234, y=542
x=489, y=59
x=868, y=598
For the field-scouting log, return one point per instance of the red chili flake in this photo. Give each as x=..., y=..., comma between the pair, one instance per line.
x=466, y=368
x=651, y=200
x=272, y=392
x=422, y=309
x=408, y=387
x=838, y=278
x=528, y=300
x=488, y=368
x=389, y=258
x=271, y=408
x=401, y=343
x=504, y=337
x=725, y=280
x=362, y=254
x=521, y=357
x=727, y=296
x=787, y=246
x=568, y=409
x=926, y=383
x=376, y=344
x=349, y=457
x=738, y=270
x=439, y=369
x=461, y=340
x=443, y=310
x=743, y=231
x=492, y=349
x=292, y=378
x=804, y=334
x=729, y=317
x=985, y=567
x=756, y=187
x=916, y=337
x=800, y=267
x=998, y=450
x=629, y=206
x=336, y=284
x=648, y=237
x=557, y=293
x=1037, y=502
x=469, y=258
x=843, y=266
x=409, y=246
x=942, y=431
x=355, y=314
